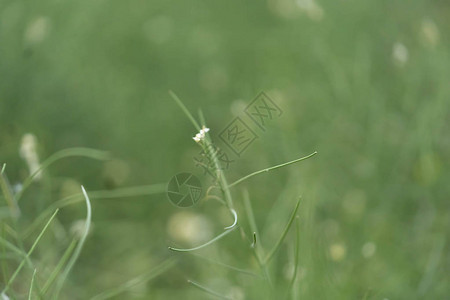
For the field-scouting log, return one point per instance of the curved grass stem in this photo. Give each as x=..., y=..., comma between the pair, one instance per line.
x=154, y=272
x=296, y=256
x=283, y=235
x=80, y=245
x=235, y=219
x=207, y=290
x=82, y=152
x=271, y=168
x=205, y=244
x=13, y=277
x=31, y=285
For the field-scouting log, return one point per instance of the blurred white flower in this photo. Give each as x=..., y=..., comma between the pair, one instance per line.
x=17, y=188
x=368, y=249
x=116, y=171
x=237, y=107
x=5, y=297
x=201, y=135
x=338, y=251
x=189, y=228
x=236, y=293
x=430, y=32
x=78, y=227
x=400, y=54
x=311, y=8
x=37, y=30
x=28, y=152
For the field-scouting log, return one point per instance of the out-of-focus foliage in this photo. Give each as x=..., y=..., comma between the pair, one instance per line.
x=365, y=83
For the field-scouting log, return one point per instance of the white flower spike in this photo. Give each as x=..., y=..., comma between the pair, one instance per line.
x=201, y=135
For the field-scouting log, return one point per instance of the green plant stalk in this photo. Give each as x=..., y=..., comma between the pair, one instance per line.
x=31, y=285
x=185, y=110
x=283, y=235
x=251, y=218
x=296, y=256
x=77, y=250
x=271, y=168
x=29, y=252
x=72, y=152
x=223, y=183
x=243, y=271
x=59, y=267
x=5, y=265
x=9, y=196
x=161, y=268
x=13, y=248
x=226, y=232
x=207, y=290
x=256, y=238
x=101, y=194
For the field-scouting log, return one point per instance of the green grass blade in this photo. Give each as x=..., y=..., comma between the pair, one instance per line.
x=207, y=290
x=296, y=256
x=158, y=270
x=31, y=285
x=226, y=232
x=72, y=152
x=79, y=247
x=58, y=267
x=8, y=193
x=29, y=252
x=251, y=217
x=212, y=261
x=13, y=248
x=185, y=110
x=283, y=235
x=101, y=194
x=271, y=168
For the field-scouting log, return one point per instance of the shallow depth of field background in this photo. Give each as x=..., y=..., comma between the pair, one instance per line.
x=364, y=83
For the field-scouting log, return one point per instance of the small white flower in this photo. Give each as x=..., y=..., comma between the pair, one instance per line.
x=400, y=54
x=28, y=151
x=201, y=135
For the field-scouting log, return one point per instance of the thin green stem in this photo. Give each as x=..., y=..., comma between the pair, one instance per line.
x=283, y=235
x=13, y=248
x=223, y=183
x=31, y=285
x=80, y=245
x=251, y=217
x=29, y=252
x=8, y=193
x=226, y=232
x=208, y=290
x=158, y=270
x=270, y=169
x=243, y=271
x=296, y=255
x=82, y=152
x=185, y=110
x=101, y=194
x=58, y=267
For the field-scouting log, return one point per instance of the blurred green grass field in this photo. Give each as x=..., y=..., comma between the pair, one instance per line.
x=364, y=83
